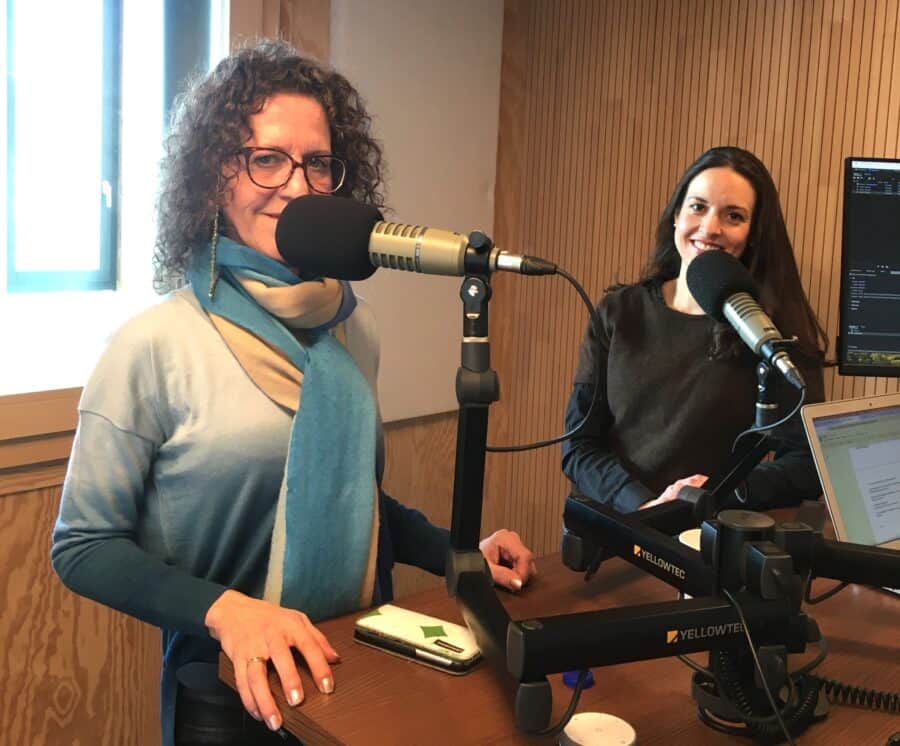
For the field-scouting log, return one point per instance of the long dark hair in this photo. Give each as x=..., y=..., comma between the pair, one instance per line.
x=210, y=123
x=768, y=255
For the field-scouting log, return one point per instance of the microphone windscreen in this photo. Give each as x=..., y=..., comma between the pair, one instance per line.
x=325, y=236
x=713, y=277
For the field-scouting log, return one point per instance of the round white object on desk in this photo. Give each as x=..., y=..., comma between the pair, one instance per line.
x=597, y=729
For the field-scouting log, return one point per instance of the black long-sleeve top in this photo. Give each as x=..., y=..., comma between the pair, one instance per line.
x=667, y=410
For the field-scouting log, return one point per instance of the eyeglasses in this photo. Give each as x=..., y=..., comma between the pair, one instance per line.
x=271, y=168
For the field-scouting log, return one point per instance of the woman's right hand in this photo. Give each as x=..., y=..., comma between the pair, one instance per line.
x=253, y=632
x=671, y=492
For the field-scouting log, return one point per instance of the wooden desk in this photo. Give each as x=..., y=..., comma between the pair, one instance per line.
x=381, y=700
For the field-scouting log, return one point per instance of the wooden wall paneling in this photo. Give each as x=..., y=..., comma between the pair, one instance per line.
x=846, y=92
x=36, y=429
x=845, y=142
x=885, y=59
x=876, y=81
x=793, y=149
x=419, y=473
x=249, y=19
x=599, y=195
x=549, y=170
x=307, y=25
x=527, y=396
x=585, y=263
x=36, y=450
x=29, y=415
x=29, y=478
x=812, y=124
x=644, y=133
x=626, y=168
x=71, y=671
x=509, y=211
x=668, y=15
x=865, y=85
x=304, y=23
x=889, y=111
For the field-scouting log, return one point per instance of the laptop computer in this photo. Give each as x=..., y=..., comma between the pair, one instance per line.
x=856, y=447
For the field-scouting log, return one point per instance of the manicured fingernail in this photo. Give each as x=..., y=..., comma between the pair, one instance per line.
x=295, y=697
x=327, y=686
x=274, y=723
x=256, y=715
x=517, y=584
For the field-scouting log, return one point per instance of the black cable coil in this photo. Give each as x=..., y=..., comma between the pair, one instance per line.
x=846, y=694
x=796, y=714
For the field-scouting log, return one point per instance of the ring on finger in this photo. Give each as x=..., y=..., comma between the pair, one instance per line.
x=257, y=658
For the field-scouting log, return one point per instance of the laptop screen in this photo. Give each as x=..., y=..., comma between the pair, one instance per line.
x=860, y=471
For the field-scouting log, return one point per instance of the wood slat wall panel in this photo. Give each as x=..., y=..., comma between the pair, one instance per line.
x=603, y=105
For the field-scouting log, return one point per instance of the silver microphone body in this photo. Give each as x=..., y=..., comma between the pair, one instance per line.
x=430, y=251
x=754, y=326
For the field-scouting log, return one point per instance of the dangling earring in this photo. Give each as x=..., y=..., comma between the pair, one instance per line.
x=213, y=270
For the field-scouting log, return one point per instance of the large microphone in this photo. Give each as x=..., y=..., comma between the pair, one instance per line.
x=724, y=289
x=326, y=236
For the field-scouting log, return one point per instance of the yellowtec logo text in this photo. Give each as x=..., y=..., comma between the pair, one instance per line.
x=659, y=562
x=701, y=633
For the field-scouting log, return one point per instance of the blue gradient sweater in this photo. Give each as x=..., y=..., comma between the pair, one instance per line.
x=174, y=476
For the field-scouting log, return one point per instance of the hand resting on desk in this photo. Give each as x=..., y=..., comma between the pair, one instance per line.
x=253, y=632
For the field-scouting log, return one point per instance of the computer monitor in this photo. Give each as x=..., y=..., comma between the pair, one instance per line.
x=869, y=335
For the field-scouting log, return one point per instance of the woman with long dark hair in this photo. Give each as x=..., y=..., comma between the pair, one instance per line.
x=677, y=387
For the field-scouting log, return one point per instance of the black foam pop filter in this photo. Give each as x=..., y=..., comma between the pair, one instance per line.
x=327, y=236
x=713, y=277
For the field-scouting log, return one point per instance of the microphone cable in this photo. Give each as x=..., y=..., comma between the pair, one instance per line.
x=554, y=730
x=825, y=595
x=595, y=323
x=767, y=428
x=756, y=725
x=847, y=694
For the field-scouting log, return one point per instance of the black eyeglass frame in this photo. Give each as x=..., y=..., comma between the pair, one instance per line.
x=295, y=164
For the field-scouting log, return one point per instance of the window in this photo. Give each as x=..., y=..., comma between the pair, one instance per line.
x=55, y=311
x=62, y=131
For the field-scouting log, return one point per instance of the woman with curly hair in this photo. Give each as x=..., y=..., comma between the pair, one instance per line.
x=224, y=482
x=676, y=387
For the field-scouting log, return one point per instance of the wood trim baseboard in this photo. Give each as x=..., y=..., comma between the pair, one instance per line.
x=38, y=413
x=28, y=478
x=36, y=429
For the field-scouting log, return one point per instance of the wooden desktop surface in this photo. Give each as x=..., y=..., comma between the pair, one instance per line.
x=382, y=700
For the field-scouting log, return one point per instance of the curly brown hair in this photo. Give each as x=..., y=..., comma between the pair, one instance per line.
x=210, y=122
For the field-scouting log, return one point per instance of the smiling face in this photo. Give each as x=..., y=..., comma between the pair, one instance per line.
x=715, y=215
x=290, y=122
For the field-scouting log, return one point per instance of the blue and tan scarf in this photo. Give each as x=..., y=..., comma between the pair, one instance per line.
x=324, y=538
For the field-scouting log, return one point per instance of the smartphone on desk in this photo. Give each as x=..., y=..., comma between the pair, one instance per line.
x=424, y=639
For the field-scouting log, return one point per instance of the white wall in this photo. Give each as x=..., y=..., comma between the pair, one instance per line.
x=429, y=71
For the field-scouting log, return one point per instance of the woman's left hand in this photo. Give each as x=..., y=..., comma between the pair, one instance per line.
x=510, y=561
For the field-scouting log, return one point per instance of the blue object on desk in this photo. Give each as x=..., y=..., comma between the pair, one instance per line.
x=570, y=679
